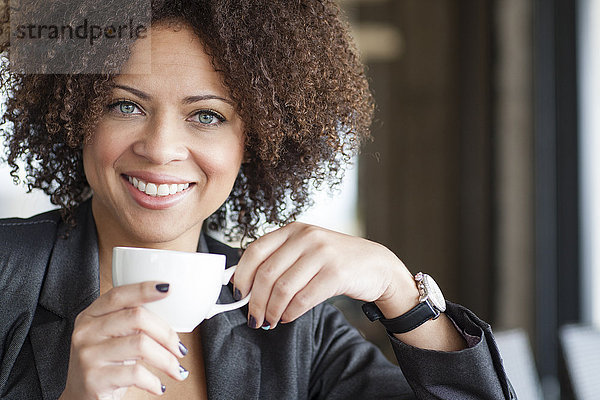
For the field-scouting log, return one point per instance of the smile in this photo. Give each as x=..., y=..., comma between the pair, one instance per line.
x=157, y=189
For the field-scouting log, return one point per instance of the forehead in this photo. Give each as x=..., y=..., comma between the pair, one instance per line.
x=172, y=56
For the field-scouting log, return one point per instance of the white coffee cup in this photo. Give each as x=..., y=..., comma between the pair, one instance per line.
x=195, y=281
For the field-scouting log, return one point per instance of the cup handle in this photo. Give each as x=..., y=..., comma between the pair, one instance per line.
x=219, y=308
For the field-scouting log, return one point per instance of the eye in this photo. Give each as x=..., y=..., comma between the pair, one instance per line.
x=125, y=107
x=209, y=117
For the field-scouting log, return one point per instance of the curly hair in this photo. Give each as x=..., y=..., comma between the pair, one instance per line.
x=291, y=68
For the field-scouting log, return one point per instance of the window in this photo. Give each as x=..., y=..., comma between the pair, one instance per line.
x=589, y=122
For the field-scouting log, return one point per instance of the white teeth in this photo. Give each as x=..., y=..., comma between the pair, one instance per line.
x=155, y=189
x=151, y=189
x=163, y=190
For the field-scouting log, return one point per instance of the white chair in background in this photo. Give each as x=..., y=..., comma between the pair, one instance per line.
x=518, y=363
x=581, y=349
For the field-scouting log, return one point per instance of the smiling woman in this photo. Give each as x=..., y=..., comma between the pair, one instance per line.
x=225, y=118
x=175, y=127
x=292, y=106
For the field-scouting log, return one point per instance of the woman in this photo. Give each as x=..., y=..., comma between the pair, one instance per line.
x=246, y=105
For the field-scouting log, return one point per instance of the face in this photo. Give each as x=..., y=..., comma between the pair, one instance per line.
x=168, y=148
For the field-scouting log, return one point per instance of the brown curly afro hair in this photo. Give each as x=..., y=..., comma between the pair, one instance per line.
x=291, y=68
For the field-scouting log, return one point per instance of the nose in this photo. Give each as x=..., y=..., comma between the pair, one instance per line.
x=161, y=141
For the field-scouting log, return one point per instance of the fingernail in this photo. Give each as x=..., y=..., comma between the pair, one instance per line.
x=252, y=322
x=162, y=287
x=266, y=325
x=183, y=349
x=163, y=388
x=237, y=295
x=184, y=373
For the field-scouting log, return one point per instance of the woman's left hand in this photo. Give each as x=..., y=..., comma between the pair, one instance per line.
x=296, y=267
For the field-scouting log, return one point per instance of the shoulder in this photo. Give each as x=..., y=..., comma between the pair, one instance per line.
x=51, y=217
x=26, y=241
x=48, y=219
x=27, y=232
x=25, y=247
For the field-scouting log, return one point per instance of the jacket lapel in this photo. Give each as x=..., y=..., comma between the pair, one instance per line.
x=72, y=283
x=23, y=267
x=232, y=360
x=227, y=344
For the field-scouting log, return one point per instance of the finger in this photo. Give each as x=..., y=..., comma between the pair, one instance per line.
x=127, y=296
x=139, y=347
x=288, y=285
x=123, y=376
x=269, y=272
x=256, y=253
x=319, y=289
x=131, y=321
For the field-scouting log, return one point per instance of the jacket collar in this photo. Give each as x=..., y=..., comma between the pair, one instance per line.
x=72, y=279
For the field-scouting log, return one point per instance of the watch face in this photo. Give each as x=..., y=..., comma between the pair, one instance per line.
x=434, y=293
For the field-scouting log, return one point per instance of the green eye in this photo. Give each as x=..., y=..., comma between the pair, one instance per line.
x=209, y=117
x=206, y=118
x=126, y=108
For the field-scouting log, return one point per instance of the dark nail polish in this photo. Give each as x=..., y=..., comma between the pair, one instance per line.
x=266, y=325
x=183, y=349
x=162, y=287
x=237, y=295
x=183, y=372
x=163, y=388
x=252, y=322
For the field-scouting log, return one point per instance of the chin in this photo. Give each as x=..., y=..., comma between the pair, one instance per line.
x=145, y=237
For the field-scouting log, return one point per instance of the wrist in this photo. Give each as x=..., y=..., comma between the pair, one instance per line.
x=400, y=296
x=430, y=305
x=411, y=308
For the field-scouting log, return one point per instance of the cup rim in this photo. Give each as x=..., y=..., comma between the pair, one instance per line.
x=149, y=249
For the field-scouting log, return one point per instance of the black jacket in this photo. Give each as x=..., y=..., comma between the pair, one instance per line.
x=46, y=280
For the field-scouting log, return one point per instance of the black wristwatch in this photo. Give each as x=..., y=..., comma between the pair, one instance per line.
x=431, y=305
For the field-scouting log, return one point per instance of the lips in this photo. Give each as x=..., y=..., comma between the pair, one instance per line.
x=157, y=189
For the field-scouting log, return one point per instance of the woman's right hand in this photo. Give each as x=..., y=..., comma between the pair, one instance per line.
x=112, y=340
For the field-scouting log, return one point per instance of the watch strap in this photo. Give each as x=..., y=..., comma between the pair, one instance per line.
x=406, y=322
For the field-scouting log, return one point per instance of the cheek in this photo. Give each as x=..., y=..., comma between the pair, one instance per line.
x=220, y=165
x=100, y=154
x=221, y=161
x=92, y=165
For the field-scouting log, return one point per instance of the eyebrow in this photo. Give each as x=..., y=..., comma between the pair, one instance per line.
x=186, y=100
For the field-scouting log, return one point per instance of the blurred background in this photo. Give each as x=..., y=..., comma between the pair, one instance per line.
x=483, y=172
